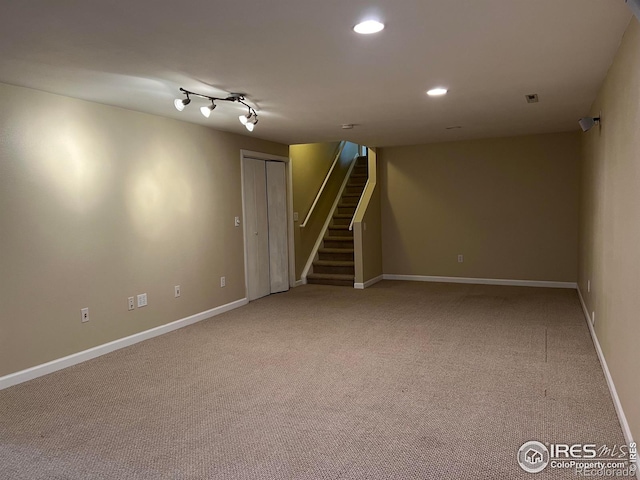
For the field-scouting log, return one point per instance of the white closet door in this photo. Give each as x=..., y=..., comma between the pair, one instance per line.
x=277, y=212
x=257, y=225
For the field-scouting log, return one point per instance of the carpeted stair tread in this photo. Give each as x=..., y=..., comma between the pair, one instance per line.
x=335, y=276
x=334, y=263
x=331, y=278
x=333, y=238
x=336, y=250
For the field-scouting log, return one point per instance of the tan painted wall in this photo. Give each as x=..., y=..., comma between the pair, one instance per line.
x=367, y=228
x=100, y=203
x=310, y=164
x=610, y=222
x=509, y=205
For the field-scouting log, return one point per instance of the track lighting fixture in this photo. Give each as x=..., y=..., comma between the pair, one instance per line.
x=587, y=123
x=249, y=120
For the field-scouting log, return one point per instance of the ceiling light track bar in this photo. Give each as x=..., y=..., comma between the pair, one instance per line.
x=233, y=97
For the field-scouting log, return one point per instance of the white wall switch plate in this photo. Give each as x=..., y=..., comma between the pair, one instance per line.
x=223, y=281
x=176, y=291
x=460, y=258
x=142, y=300
x=295, y=216
x=131, y=303
x=84, y=315
x=588, y=286
x=236, y=221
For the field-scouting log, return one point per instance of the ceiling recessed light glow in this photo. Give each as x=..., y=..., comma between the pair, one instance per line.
x=368, y=27
x=437, y=92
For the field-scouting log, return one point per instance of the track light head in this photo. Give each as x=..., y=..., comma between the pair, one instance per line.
x=250, y=125
x=206, y=110
x=180, y=103
x=587, y=123
x=245, y=118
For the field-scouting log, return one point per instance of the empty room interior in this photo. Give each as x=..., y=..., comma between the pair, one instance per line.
x=319, y=240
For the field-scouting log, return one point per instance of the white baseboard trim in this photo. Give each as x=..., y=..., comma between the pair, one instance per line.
x=626, y=431
x=299, y=283
x=64, y=362
x=368, y=283
x=481, y=281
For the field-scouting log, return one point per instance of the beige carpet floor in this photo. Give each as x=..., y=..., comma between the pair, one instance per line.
x=399, y=381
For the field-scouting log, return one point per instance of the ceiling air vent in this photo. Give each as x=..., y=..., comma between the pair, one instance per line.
x=532, y=98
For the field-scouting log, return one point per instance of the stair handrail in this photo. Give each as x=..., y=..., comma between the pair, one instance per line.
x=324, y=184
x=353, y=219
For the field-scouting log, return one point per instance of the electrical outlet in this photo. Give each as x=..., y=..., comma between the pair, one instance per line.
x=176, y=291
x=84, y=315
x=131, y=303
x=142, y=300
x=593, y=318
x=460, y=258
x=236, y=221
x=223, y=281
x=588, y=286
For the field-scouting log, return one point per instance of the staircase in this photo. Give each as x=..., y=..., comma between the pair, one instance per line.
x=335, y=263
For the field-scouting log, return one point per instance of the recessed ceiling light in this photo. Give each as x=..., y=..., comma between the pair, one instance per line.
x=436, y=92
x=369, y=26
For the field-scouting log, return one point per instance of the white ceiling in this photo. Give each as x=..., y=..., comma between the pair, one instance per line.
x=307, y=72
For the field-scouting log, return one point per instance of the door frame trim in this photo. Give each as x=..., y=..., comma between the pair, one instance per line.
x=290, y=234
